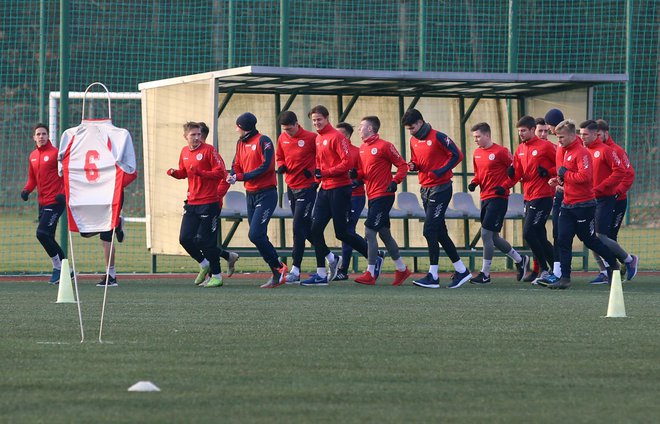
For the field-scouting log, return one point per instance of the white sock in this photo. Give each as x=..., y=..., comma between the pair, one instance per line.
x=57, y=262
x=485, y=268
x=628, y=259
x=204, y=263
x=556, y=269
x=515, y=256
x=295, y=270
x=459, y=266
x=218, y=276
x=400, y=266
x=433, y=270
x=112, y=272
x=330, y=257
x=321, y=272
x=371, y=269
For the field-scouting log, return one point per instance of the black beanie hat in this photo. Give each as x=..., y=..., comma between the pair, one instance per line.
x=247, y=121
x=554, y=117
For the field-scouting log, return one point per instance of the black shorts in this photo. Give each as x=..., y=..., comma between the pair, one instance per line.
x=492, y=213
x=378, y=213
x=605, y=214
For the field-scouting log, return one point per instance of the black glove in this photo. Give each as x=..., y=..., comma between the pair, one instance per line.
x=511, y=171
x=392, y=187
x=307, y=174
x=314, y=185
x=25, y=195
x=281, y=169
x=499, y=190
x=542, y=171
x=561, y=171
x=355, y=184
x=472, y=186
x=353, y=173
x=317, y=173
x=60, y=199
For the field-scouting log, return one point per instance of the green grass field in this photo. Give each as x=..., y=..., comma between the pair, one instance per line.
x=344, y=353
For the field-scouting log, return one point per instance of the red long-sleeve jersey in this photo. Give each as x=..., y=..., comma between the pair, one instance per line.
x=528, y=157
x=203, y=168
x=223, y=185
x=376, y=159
x=436, y=152
x=297, y=153
x=490, y=167
x=627, y=182
x=354, y=160
x=332, y=158
x=254, y=163
x=608, y=171
x=42, y=174
x=578, y=179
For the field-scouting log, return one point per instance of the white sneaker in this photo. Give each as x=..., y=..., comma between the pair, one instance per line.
x=231, y=263
x=544, y=274
x=292, y=278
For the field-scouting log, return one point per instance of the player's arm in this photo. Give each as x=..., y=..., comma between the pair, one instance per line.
x=266, y=146
x=550, y=154
x=280, y=163
x=400, y=163
x=341, y=148
x=127, y=179
x=453, y=152
x=180, y=173
x=476, y=180
x=629, y=179
x=584, y=173
x=217, y=170
x=506, y=159
x=617, y=175
x=31, y=181
x=515, y=170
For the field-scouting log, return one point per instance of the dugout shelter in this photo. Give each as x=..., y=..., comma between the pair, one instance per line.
x=450, y=101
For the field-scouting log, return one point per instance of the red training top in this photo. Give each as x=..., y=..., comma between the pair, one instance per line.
x=578, y=179
x=627, y=182
x=203, y=168
x=223, y=185
x=436, y=152
x=529, y=156
x=254, y=163
x=490, y=167
x=354, y=160
x=332, y=158
x=376, y=159
x=608, y=171
x=297, y=153
x=42, y=174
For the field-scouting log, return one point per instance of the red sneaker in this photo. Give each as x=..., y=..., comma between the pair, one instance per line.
x=279, y=278
x=366, y=279
x=400, y=276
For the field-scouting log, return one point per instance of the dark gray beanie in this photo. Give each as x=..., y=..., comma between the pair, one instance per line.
x=247, y=121
x=554, y=117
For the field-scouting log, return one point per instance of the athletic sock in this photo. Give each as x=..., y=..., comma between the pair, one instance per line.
x=459, y=266
x=295, y=270
x=321, y=272
x=628, y=259
x=400, y=266
x=57, y=262
x=515, y=256
x=330, y=257
x=556, y=269
x=204, y=263
x=112, y=272
x=433, y=270
x=371, y=269
x=485, y=268
x=218, y=276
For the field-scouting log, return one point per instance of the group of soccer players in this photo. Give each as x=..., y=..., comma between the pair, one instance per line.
x=582, y=183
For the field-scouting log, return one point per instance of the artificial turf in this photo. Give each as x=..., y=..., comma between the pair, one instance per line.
x=508, y=352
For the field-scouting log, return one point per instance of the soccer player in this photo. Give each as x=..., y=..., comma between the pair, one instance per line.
x=296, y=158
x=552, y=118
x=609, y=172
x=201, y=165
x=575, y=174
x=542, y=129
x=377, y=157
x=622, y=191
x=534, y=165
x=254, y=164
x=358, y=200
x=223, y=187
x=333, y=200
x=42, y=175
x=491, y=162
x=434, y=155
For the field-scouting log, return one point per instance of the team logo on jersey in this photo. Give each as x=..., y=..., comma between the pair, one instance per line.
x=429, y=142
x=491, y=156
x=46, y=158
x=199, y=156
x=301, y=143
x=569, y=158
x=254, y=147
x=325, y=142
x=374, y=151
x=534, y=152
x=597, y=154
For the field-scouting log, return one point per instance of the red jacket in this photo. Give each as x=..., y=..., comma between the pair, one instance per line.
x=376, y=159
x=490, y=167
x=332, y=158
x=354, y=159
x=254, y=163
x=297, y=154
x=529, y=156
x=629, y=179
x=204, y=168
x=42, y=174
x=608, y=170
x=578, y=179
x=436, y=152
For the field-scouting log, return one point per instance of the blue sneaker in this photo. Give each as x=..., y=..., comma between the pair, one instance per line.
x=333, y=267
x=459, y=278
x=428, y=282
x=548, y=281
x=631, y=268
x=600, y=279
x=379, y=263
x=55, y=277
x=315, y=280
